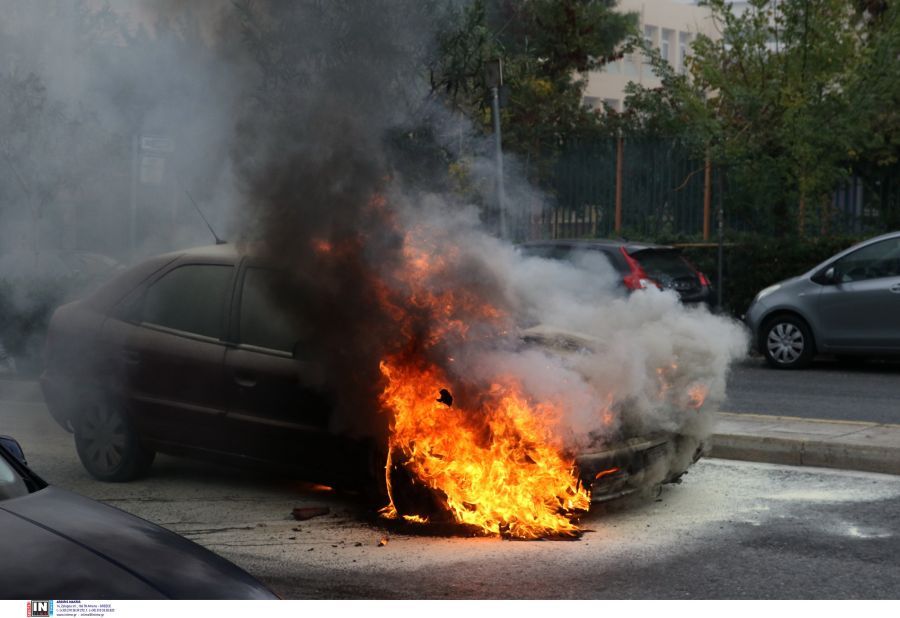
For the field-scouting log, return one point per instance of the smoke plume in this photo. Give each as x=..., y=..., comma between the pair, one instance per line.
x=309, y=129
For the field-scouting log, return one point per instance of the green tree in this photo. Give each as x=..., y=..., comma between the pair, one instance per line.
x=547, y=48
x=785, y=98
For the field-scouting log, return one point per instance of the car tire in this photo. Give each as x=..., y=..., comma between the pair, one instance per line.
x=107, y=445
x=787, y=343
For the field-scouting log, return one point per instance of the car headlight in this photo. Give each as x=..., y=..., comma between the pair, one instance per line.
x=766, y=291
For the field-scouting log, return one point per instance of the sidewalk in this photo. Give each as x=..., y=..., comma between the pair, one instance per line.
x=850, y=445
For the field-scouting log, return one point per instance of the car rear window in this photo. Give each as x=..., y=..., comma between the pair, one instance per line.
x=190, y=298
x=664, y=263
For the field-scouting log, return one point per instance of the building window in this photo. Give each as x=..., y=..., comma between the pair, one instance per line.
x=650, y=34
x=684, y=39
x=630, y=66
x=612, y=104
x=591, y=102
x=664, y=43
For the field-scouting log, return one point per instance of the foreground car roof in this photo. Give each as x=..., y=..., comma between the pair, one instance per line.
x=66, y=545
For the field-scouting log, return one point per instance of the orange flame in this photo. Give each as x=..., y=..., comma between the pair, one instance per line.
x=497, y=467
x=697, y=395
x=603, y=473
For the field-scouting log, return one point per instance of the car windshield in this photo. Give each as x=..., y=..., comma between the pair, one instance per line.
x=11, y=484
x=664, y=264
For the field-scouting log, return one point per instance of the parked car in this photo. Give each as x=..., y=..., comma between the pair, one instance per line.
x=847, y=305
x=185, y=354
x=57, y=544
x=640, y=265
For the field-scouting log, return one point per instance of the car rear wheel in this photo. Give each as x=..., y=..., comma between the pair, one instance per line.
x=787, y=343
x=107, y=445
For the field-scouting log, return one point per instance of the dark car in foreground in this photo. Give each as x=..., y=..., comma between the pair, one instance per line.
x=186, y=354
x=57, y=544
x=849, y=305
x=639, y=265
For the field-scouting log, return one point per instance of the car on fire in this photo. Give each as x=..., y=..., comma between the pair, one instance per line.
x=184, y=354
x=57, y=544
x=639, y=265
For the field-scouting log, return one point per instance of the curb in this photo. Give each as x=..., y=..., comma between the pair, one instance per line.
x=848, y=445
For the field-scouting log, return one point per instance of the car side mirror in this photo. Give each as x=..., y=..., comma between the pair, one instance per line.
x=826, y=277
x=14, y=449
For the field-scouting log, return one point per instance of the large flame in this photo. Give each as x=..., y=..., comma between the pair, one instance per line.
x=492, y=462
x=497, y=466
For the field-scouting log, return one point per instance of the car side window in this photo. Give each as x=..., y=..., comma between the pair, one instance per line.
x=190, y=298
x=262, y=322
x=873, y=262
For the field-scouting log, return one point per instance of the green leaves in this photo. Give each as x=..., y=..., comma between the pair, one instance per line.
x=810, y=87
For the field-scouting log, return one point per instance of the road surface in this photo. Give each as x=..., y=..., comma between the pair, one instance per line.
x=730, y=530
x=830, y=390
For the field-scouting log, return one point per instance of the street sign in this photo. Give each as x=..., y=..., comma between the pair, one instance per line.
x=151, y=143
x=152, y=170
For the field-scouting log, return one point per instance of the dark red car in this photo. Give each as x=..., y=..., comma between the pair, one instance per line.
x=187, y=354
x=184, y=354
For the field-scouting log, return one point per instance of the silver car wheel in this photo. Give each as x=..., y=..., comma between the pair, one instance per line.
x=785, y=343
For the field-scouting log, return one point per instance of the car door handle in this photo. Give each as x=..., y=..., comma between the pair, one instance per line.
x=245, y=380
x=895, y=288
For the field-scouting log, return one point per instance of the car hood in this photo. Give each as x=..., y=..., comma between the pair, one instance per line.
x=58, y=544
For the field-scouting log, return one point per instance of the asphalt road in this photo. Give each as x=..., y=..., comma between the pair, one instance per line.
x=730, y=530
x=867, y=391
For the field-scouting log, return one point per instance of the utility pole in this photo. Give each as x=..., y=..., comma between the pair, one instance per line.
x=494, y=78
x=721, y=225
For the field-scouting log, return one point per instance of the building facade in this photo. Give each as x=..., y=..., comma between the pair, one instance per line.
x=668, y=25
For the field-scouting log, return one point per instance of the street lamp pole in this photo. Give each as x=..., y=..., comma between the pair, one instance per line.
x=494, y=81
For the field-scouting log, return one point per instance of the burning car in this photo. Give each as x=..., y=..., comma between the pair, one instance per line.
x=186, y=354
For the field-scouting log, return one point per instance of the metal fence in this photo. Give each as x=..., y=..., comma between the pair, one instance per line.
x=655, y=188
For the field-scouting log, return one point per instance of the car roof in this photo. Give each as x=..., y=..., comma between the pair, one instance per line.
x=225, y=250
x=594, y=243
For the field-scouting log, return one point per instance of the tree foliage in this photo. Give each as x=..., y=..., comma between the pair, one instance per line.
x=791, y=97
x=546, y=47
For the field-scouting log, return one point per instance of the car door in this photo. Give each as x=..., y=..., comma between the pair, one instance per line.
x=170, y=349
x=278, y=410
x=860, y=308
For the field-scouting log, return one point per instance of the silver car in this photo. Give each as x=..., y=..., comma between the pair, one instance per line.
x=847, y=305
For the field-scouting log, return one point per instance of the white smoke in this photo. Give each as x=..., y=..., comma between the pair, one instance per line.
x=619, y=365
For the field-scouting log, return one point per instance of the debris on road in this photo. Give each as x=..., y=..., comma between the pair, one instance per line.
x=308, y=512
x=383, y=541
